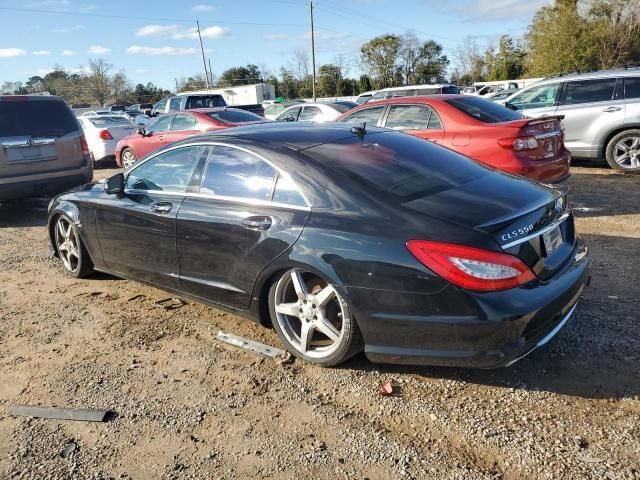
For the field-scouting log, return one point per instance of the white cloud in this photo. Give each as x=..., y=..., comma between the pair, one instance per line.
x=209, y=32
x=203, y=8
x=98, y=50
x=68, y=53
x=42, y=52
x=140, y=71
x=138, y=50
x=12, y=52
x=80, y=71
x=156, y=30
x=50, y=3
x=319, y=35
x=495, y=10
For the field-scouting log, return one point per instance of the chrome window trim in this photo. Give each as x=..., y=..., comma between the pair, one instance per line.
x=542, y=231
x=244, y=200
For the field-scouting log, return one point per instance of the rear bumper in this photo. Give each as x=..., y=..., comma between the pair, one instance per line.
x=480, y=330
x=104, y=150
x=48, y=183
x=555, y=170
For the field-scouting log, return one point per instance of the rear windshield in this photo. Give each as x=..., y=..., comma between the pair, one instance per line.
x=109, y=121
x=235, y=116
x=484, y=110
x=117, y=108
x=451, y=89
x=400, y=167
x=37, y=118
x=205, y=101
x=344, y=106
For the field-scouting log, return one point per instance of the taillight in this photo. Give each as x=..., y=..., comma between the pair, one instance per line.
x=13, y=98
x=471, y=268
x=105, y=135
x=84, y=146
x=519, y=143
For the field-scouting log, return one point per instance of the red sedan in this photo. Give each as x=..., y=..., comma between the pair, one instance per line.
x=172, y=127
x=477, y=128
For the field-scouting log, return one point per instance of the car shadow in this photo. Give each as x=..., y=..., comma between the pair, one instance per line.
x=596, y=355
x=26, y=212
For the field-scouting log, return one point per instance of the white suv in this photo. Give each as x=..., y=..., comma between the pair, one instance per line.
x=601, y=113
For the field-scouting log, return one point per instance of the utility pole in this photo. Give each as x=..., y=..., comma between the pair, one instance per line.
x=204, y=62
x=313, y=52
x=210, y=73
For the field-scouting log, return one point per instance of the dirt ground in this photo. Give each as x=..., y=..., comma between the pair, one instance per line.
x=187, y=406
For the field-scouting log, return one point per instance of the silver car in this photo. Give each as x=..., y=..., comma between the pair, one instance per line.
x=42, y=147
x=601, y=113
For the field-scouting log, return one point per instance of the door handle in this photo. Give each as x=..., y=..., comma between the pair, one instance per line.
x=161, y=137
x=257, y=223
x=161, y=207
x=612, y=109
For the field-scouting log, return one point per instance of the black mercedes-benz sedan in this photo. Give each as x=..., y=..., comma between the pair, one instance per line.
x=344, y=238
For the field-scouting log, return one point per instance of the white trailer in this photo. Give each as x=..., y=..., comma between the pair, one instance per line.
x=242, y=94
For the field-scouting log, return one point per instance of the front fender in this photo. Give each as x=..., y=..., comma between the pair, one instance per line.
x=59, y=207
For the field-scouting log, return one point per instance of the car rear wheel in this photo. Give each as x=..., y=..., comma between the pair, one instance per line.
x=72, y=252
x=128, y=158
x=623, y=151
x=312, y=319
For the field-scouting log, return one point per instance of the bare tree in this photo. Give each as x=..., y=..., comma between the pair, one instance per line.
x=469, y=59
x=99, y=80
x=409, y=56
x=300, y=64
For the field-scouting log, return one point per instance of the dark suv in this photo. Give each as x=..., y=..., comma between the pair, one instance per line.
x=42, y=147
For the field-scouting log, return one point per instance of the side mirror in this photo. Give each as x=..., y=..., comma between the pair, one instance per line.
x=142, y=131
x=147, y=112
x=290, y=118
x=114, y=185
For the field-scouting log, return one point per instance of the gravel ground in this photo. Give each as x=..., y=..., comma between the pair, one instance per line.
x=187, y=406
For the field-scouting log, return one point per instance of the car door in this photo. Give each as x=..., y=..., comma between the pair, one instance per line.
x=183, y=125
x=415, y=119
x=537, y=100
x=137, y=230
x=245, y=214
x=369, y=115
x=590, y=112
x=155, y=136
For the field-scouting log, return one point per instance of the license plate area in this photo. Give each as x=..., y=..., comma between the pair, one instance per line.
x=552, y=240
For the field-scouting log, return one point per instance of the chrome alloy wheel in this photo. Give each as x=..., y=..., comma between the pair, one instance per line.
x=626, y=153
x=310, y=314
x=68, y=244
x=128, y=159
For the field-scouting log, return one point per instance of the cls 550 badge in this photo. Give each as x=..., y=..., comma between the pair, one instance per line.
x=512, y=235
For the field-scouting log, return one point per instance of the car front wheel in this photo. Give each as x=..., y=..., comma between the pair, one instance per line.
x=623, y=151
x=71, y=250
x=312, y=319
x=127, y=158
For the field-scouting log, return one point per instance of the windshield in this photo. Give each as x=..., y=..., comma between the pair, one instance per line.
x=235, y=116
x=484, y=110
x=36, y=118
x=398, y=166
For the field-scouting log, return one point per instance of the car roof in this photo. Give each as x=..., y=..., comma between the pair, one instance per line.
x=412, y=87
x=414, y=99
x=294, y=135
x=622, y=72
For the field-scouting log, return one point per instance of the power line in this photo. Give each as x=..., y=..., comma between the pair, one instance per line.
x=154, y=19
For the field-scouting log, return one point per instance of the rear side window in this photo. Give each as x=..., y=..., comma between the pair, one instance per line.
x=400, y=167
x=632, y=88
x=408, y=117
x=205, y=101
x=484, y=110
x=174, y=104
x=235, y=116
x=589, y=91
x=36, y=118
x=287, y=193
x=369, y=115
x=231, y=172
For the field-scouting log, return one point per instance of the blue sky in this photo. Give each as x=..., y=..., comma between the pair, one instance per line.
x=154, y=41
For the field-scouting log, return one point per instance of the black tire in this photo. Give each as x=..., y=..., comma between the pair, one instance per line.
x=326, y=352
x=631, y=164
x=126, y=154
x=75, y=258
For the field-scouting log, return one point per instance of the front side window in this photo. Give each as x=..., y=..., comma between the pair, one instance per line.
x=589, y=91
x=183, y=122
x=231, y=172
x=174, y=104
x=168, y=172
x=310, y=113
x=289, y=115
x=369, y=115
x=632, y=88
x=160, y=106
x=162, y=124
x=541, y=96
x=408, y=117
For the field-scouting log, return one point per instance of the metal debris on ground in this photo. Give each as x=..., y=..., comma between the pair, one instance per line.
x=255, y=347
x=385, y=389
x=79, y=414
x=68, y=450
x=135, y=297
x=170, y=303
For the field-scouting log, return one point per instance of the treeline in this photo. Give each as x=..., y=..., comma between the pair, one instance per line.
x=568, y=36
